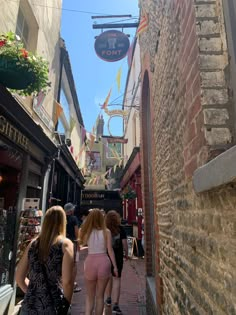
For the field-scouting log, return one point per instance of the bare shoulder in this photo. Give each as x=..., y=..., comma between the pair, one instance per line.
x=67, y=244
x=108, y=232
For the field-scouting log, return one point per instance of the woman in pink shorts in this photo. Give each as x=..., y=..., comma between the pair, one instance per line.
x=97, y=266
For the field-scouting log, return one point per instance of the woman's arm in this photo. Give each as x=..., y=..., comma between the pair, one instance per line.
x=68, y=275
x=22, y=271
x=111, y=252
x=76, y=228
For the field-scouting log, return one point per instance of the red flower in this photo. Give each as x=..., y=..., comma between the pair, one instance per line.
x=25, y=53
x=2, y=43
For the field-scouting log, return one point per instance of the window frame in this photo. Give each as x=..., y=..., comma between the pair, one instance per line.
x=20, y=29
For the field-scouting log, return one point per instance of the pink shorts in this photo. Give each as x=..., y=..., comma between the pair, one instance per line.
x=97, y=266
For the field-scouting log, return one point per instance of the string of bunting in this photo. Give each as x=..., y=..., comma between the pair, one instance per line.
x=102, y=177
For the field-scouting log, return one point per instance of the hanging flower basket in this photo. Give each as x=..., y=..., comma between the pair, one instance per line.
x=19, y=69
x=13, y=75
x=129, y=193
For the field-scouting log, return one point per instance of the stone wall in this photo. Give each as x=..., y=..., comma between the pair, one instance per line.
x=191, y=110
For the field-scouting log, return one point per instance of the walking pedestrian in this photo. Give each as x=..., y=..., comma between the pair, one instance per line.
x=72, y=232
x=97, y=266
x=120, y=247
x=45, y=272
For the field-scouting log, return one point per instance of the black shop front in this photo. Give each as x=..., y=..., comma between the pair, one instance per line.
x=25, y=163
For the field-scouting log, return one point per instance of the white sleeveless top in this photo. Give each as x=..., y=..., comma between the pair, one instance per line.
x=96, y=242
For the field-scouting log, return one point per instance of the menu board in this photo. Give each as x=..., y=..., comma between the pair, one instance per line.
x=132, y=243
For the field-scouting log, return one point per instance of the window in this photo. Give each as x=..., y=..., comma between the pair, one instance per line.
x=27, y=26
x=93, y=161
x=113, y=150
x=22, y=28
x=64, y=120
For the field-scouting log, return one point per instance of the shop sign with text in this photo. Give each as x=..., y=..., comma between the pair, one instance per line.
x=112, y=45
x=12, y=133
x=92, y=195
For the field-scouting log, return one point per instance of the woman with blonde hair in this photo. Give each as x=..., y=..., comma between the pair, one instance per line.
x=48, y=261
x=97, y=265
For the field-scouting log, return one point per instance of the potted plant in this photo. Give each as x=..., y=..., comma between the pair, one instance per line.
x=20, y=69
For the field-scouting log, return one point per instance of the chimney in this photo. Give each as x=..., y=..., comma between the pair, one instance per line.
x=100, y=126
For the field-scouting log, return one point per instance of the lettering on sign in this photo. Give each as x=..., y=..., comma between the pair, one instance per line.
x=116, y=112
x=90, y=195
x=13, y=133
x=112, y=45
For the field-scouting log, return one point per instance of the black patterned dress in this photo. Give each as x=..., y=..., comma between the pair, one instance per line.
x=37, y=299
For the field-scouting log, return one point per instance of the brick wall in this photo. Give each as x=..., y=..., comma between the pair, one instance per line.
x=191, y=113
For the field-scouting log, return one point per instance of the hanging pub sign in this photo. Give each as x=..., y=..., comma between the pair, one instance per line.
x=112, y=45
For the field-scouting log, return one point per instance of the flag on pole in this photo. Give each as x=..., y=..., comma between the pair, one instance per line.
x=143, y=25
x=107, y=99
x=58, y=112
x=118, y=77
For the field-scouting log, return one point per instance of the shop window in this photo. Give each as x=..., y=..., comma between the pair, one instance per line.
x=33, y=186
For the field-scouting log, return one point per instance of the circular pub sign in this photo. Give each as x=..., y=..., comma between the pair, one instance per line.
x=112, y=45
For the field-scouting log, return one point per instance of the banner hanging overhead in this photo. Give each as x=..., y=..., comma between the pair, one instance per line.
x=112, y=45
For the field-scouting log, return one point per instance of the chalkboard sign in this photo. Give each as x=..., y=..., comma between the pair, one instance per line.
x=132, y=242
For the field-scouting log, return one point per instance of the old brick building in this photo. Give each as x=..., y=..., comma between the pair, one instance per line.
x=188, y=155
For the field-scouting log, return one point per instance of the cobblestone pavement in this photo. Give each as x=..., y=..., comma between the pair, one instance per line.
x=132, y=299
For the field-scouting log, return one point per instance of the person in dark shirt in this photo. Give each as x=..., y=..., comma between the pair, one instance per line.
x=72, y=232
x=120, y=247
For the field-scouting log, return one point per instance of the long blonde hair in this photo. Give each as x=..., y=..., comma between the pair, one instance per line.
x=95, y=220
x=54, y=225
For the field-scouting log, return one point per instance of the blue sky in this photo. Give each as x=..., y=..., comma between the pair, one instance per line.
x=93, y=76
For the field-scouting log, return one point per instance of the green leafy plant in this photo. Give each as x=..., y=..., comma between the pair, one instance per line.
x=128, y=193
x=12, y=50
